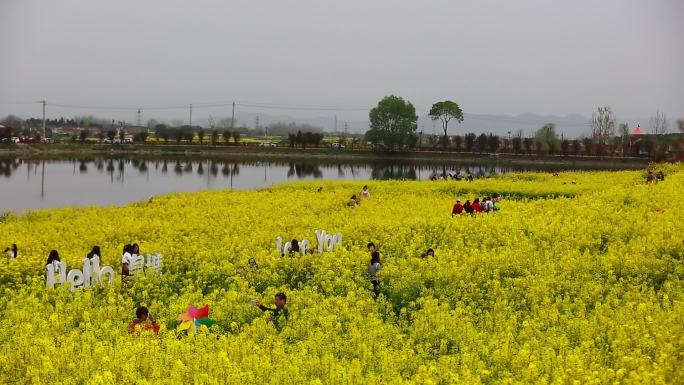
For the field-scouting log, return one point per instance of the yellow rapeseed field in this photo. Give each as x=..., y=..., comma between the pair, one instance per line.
x=577, y=280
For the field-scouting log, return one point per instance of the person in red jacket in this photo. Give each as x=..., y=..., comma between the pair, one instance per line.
x=458, y=208
x=139, y=323
x=476, y=205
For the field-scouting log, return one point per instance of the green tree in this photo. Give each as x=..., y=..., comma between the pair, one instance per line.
x=394, y=123
x=446, y=111
x=548, y=137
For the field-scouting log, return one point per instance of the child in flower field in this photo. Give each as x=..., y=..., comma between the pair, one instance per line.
x=373, y=269
x=428, y=253
x=354, y=201
x=143, y=314
x=280, y=309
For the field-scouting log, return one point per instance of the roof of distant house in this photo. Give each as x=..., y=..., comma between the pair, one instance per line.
x=637, y=131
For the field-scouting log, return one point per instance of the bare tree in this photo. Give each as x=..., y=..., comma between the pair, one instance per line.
x=659, y=123
x=680, y=124
x=602, y=125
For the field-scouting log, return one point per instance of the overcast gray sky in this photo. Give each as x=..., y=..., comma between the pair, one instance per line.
x=500, y=57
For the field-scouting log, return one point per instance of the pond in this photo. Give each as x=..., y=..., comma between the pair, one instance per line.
x=28, y=184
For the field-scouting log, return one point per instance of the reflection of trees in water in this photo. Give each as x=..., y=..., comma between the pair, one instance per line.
x=451, y=171
x=230, y=169
x=115, y=168
x=393, y=171
x=303, y=170
x=7, y=166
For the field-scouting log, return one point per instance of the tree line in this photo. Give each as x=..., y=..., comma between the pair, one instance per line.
x=393, y=124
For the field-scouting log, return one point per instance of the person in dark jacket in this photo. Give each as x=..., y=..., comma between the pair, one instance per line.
x=280, y=310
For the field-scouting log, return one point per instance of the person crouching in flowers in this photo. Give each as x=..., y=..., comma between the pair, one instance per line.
x=429, y=253
x=140, y=324
x=280, y=309
x=373, y=269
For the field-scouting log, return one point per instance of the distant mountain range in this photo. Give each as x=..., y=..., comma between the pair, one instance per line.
x=571, y=126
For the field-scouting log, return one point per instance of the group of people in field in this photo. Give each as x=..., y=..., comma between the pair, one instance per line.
x=145, y=320
x=355, y=200
x=652, y=179
x=486, y=205
x=467, y=176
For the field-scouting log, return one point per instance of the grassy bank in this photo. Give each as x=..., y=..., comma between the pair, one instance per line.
x=51, y=151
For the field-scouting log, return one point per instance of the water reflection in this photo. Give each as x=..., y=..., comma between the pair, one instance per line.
x=303, y=170
x=74, y=182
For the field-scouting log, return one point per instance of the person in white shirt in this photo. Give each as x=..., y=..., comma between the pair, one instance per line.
x=94, y=252
x=365, y=193
x=12, y=251
x=126, y=261
x=488, y=205
x=373, y=269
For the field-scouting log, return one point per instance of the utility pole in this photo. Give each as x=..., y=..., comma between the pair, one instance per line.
x=139, y=117
x=335, y=122
x=44, y=103
x=190, y=114
x=232, y=119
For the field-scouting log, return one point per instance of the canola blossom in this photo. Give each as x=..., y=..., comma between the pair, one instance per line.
x=578, y=279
